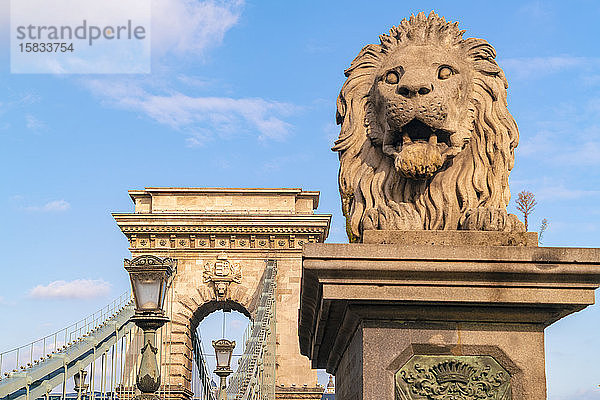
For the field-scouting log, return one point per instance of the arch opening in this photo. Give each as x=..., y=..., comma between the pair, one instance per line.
x=212, y=321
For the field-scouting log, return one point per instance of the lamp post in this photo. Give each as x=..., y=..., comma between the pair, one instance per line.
x=223, y=350
x=80, y=385
x=150, y=278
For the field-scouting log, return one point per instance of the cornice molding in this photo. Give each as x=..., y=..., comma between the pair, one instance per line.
x=201, y=231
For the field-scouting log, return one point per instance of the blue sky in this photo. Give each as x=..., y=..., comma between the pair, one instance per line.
x=242, y=94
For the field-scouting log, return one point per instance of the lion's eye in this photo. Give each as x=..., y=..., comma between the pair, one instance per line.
x=391, y=78
x=445, y=73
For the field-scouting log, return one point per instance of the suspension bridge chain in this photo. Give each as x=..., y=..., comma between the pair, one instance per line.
x=255, y=376
x=36, y=369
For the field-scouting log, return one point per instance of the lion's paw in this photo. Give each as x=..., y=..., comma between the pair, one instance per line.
x=398, y=216
x=370, y=219
x=485, y=219
x=405, y=217
x=514, y=224
x=491, y=219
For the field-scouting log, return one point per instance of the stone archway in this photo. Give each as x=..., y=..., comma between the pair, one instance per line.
x=212, y=306
x=193, y=298
x=242, y=227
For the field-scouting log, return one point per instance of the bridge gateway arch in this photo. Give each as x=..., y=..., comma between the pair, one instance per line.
x=223, y=241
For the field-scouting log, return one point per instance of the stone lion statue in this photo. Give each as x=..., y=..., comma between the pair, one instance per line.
x=426, y=141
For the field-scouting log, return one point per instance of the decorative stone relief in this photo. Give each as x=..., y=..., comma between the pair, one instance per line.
x=452, y=378
x=189, y=241
x=220, y=274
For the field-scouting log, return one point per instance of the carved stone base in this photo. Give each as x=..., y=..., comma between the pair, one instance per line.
x=406, y=322
x=298, y=393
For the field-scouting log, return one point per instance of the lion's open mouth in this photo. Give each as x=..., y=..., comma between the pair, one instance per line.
x=418, y=149
x=416, y=131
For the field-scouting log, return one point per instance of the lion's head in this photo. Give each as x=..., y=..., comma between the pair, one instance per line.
x=426, y=138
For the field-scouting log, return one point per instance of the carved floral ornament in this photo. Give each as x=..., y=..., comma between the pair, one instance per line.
x=452, y=378
x=220, y=274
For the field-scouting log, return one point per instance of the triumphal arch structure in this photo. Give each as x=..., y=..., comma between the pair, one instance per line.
x=222, y=240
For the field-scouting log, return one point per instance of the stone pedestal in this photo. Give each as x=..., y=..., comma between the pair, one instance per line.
x=410, y=314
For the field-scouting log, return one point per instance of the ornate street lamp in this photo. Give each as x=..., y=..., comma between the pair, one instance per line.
x=80, y=385
x=150, y=277
x=223, y=350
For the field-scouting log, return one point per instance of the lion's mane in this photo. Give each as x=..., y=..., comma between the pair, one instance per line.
x=476, y=177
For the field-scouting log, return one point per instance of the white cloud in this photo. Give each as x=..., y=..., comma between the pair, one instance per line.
x=26, y=99
x=561, y=192
x=584, y=154
x=20, y=100
x=591, y=80
x=201, y=117
x=237, y=324
x=278, y=163
x=544, y=141
x=5, y=302
x=550, y=189
x=564, y=140
x=332, y=132
x=535, y=67
x=51, y=206
x=183, y=29
x=33, y=123
x=193, y=81
x=538, y=10
x=76, y=289
x=570, y=226
x=178, y=28
x=190, y=26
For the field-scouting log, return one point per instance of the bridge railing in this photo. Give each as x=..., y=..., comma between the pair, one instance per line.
x=24, y=357
x=255, y=376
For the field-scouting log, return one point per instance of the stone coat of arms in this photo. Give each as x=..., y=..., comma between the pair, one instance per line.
x=221, y=273
x=453, y=378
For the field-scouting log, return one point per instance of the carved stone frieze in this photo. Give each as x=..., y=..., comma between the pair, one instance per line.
x=452, y=378
x=222, y=229
x=186, y=241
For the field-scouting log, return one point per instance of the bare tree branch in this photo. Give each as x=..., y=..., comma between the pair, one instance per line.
x=526, y=204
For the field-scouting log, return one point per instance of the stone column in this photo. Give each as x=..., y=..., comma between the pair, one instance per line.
x=408, y=314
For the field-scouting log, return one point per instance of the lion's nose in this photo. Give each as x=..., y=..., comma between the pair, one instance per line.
x=412, y=90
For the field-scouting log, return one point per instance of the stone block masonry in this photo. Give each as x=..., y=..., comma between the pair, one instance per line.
x=221, y=239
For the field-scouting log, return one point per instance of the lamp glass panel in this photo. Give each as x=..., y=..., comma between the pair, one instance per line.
x=223, y=359
x=147, y=293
